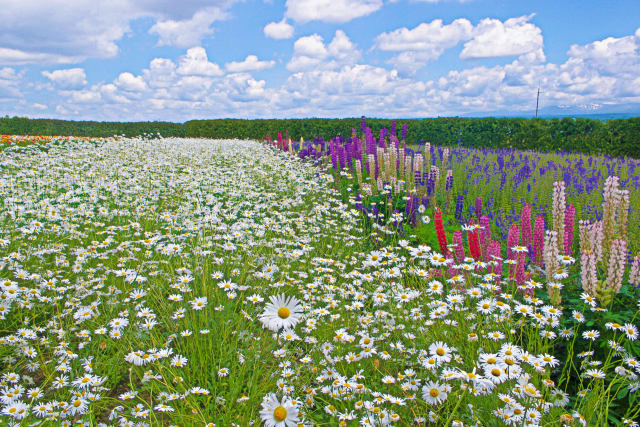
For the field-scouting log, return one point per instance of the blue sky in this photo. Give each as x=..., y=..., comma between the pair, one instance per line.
x=169, y=60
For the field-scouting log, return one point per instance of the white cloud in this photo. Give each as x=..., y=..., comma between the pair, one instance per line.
x=188, y=32
x=278, y=30
x=9, y=84
x=493, y=38
x=432, y=38
x=196, y=62
x=423, y=43
x=333, y=11
x=72, y=78
x=251, y=63
x=19, y=57
x=60, y=31
x=310, y=52
x=328, y=79
x=343, y=49
x=130, y=83
x=161, y=73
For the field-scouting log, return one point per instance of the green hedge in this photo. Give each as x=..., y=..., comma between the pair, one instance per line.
x=25, y=126
x=619, y=137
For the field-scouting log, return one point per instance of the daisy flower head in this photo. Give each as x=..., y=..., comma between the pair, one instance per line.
x=281, y=312
x=277, y=413
x=434, y=393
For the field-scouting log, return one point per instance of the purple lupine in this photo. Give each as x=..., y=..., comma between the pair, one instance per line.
x=568, y=228
x=404, y=132
x=393, y=128
x=459, y=206
x=410, y=210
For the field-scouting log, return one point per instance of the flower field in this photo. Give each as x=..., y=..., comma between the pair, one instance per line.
x=206, y=282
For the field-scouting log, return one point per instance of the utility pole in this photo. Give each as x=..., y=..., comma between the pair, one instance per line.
x=537, y=101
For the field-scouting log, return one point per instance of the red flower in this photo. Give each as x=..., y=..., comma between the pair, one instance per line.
x=442, y=238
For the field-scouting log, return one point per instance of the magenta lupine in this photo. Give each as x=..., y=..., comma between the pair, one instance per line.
x=525, y=226
x=520, y=275
x=513, y=239
x=485, y=236
x=459, y=248
x=538, y=241
x=568, y=229
x=559, y=207
x=478, y=208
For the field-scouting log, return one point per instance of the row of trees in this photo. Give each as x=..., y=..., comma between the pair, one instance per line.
x=619, y=137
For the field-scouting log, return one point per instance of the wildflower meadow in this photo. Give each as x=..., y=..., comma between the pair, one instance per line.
x=355, y=281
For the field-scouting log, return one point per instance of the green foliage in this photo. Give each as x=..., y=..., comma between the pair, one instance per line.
x=25, y=126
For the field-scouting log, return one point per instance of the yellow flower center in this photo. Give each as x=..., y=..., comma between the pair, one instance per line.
x=440, y=352
x=495, y=372
x=434, y=392
x=280, y=413
x=283, y=312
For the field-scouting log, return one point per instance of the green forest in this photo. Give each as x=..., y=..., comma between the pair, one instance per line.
x=618, y=137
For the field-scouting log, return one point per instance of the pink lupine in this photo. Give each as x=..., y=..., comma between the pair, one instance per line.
x=495, y=255
x=634, y=275
x=459, y=248
x=568, y=229
x=525, y=226
x=513, y=239
x=538, y=241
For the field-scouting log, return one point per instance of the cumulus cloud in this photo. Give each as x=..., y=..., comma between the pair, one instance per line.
x=251, y=63
x=9, y=84
x=130, y=83
x=188, y=32
x=72, y=78
x=310, y=52
x=423, y=43
x=432, y=38
x=278, y=30
x=493, y=38
x=333, y=11
x=196, y=62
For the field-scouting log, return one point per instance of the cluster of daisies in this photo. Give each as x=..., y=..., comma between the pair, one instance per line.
x=197, y=282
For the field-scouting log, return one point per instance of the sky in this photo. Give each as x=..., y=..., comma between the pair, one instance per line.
x=131, y=60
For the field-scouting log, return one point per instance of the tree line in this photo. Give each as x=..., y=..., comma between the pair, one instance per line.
x=617, y=137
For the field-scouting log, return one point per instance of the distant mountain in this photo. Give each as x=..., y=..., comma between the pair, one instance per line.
x=594, y=112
